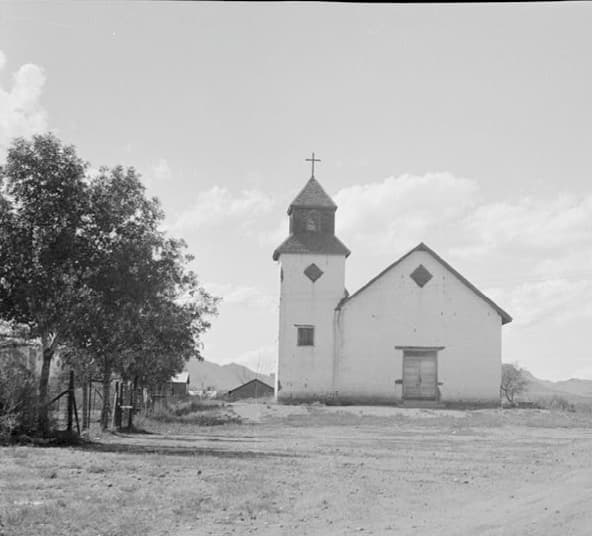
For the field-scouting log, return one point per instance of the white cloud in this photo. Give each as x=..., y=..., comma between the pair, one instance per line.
x=585, y=372
x=261, y=360
x=529, y=224
x=218, y=205
x=555, y=300
x=21, y=113
x=243, y=295
x=400, y=211
x=162, y=171
x=276, y=235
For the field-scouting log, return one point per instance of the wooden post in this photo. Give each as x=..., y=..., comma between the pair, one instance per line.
x=94, y=397
x=70, y=400
x=76, y=415
x=84, y=405
x=89, y=406
x=119, y=404
x=132, y=400
x=115, y=404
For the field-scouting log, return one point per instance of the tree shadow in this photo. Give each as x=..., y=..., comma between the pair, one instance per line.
x=125, y=448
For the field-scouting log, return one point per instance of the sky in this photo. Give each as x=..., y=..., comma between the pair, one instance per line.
x=467, y=127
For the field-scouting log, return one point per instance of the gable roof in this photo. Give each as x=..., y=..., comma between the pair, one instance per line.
x=311, y=242
x=506, y=318
x=251, y=381
x=312, y=196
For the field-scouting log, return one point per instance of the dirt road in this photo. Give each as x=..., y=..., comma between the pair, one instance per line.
x=316, y=471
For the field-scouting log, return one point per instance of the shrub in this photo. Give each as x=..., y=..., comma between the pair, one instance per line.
x=513, y=382
x=191, y=405
x=559, y=403
x=18, y=398
x=192, y=411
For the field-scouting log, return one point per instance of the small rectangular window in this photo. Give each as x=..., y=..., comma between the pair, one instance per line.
x=305, y=335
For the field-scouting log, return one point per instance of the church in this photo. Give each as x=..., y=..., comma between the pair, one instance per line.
x=417, y=333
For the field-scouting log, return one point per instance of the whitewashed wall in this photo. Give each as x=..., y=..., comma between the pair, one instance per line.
x=395, y=311
x=307, y=372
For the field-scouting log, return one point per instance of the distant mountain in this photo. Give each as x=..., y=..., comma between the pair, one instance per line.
x=207, y=375
x=574, y=390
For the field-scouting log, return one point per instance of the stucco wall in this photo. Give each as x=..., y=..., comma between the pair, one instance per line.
x=395, y=311
x=305, y=372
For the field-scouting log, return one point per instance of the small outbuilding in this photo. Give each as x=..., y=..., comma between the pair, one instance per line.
x=252, y=389
x=179, y=384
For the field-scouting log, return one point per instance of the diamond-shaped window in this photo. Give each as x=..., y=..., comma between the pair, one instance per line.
x=313, y=272
x=421, y=275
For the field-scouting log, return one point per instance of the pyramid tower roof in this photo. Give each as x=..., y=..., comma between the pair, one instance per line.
x=312, y=196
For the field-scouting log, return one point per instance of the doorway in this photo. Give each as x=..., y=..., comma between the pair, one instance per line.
x=420, y=375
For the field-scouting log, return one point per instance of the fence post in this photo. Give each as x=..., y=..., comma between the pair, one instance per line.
x=115, y=404
x=119, y=412
x=70, y=400
x=84, y=404
x=89, y=405
x=132, y=400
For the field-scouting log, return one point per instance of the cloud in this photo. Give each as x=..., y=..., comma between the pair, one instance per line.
x=218, y=205
x=556, y=300
x=162, y=171
x=276, y=235
x=529, y=225
x=21, y=113
x=584, y=372
x=261, y=360
x=243, y=295
x=399, y=212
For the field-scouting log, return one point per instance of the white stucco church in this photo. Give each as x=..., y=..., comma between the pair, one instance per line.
x=418, y=331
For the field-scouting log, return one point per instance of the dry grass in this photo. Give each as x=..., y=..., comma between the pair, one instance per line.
x=321, y=472
x=189, y=411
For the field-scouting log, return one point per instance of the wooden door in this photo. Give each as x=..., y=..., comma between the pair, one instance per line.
x=419, y=375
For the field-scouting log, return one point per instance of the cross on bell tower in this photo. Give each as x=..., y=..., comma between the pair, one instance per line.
x=312, y=160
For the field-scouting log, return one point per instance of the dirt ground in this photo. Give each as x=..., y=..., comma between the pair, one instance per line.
x=314, y=470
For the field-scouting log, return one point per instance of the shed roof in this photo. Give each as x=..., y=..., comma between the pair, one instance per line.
x=506, y=318
x=182, y=377
x=312, y=196
x=311, y=242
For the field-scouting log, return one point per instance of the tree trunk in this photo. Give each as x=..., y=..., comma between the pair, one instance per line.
x=106, y=410
x=43, y=409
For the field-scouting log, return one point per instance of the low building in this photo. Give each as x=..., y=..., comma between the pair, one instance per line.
x=253, y=389
x=179, y=384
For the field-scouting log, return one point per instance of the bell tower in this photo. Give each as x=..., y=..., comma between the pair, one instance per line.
x=312, y=283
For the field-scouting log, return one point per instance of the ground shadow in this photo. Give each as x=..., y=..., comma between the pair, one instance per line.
x=124, y=448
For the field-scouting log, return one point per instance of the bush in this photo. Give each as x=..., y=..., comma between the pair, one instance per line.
x=514, y=382
x=192, y=411
x=558, y=403
x=18, y=397
x=191, y=405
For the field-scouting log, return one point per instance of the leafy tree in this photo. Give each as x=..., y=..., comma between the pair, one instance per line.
x=85, y=265
x=514, y=381
x=142, y=311
x=42, y=206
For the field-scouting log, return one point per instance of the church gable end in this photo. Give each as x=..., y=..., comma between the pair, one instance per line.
x=422, y=276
